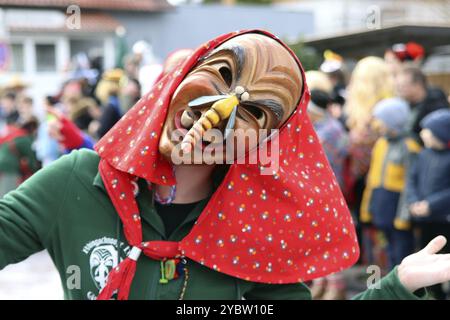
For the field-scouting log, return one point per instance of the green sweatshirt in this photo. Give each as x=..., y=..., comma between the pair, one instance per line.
x=65, y=209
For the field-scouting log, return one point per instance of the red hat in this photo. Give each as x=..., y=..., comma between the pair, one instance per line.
x=288, y=226
x=409, y=51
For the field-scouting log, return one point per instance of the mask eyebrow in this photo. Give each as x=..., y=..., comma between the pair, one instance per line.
x=270, y=104
x=238, y=56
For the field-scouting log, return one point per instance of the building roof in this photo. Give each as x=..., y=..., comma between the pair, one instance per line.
x=374, y=42
x=126, y=5
x=90, y=22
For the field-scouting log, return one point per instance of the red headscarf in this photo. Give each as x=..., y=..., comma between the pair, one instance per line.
x=10, y=133
x=287, y=227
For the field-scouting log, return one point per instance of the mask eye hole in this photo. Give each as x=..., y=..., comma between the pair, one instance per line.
x=255, y=111
x=195, y=114
x=225, y=72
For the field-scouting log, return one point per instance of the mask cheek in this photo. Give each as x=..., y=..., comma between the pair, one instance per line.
x=246, y=135
x=198, y=84
x=165, y=146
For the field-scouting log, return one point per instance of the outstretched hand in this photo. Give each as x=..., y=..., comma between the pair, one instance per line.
x=425, y=268
x=54, y=124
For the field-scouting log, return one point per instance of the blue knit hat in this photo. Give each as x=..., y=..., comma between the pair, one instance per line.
x=439, y=124
x=393, y=112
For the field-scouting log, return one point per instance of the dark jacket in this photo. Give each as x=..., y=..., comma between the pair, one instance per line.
x=435, y=99
x=111, y=114
x=429, y=179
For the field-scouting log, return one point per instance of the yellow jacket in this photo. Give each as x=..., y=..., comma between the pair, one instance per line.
x=388, y=168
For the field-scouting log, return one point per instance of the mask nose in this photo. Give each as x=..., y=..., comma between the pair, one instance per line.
x=220, y=110
x=189, y=117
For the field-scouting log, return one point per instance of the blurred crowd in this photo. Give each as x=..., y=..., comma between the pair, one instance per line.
x=386, y=133
x=86, y=106
x=385, y=130
x=33, y=134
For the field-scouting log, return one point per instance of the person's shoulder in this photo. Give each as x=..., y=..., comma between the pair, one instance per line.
x=84, y=156
x=436, y=98
x=333, y=128
x=23, y=139
x=85, y=162
x=65, y=172
x=337, y=125
x=446, y=155
x=427, y=155
x=82, y=162
x=381, y=142
x=425, y=152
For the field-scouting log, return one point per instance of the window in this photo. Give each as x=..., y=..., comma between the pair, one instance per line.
x=45, y=57
x=16, y=63
x=92, y=48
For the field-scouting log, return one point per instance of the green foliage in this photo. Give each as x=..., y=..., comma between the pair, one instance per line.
x=308, y=56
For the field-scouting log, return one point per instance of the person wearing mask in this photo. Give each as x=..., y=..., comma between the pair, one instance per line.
x=253, y=232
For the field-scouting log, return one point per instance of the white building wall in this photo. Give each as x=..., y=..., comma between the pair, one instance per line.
x=335, y=17
x=44, y=83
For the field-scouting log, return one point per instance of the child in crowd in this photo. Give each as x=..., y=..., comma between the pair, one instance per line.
x=428, y=190
x=383, y=200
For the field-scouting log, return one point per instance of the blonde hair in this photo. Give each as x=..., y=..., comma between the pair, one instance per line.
x=370, y=82
x=318, y=80
x=110, y=84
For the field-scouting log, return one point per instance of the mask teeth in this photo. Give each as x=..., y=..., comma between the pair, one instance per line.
x=186, y=120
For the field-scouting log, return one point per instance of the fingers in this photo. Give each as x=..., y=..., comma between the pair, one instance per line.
x=420, y=209
x=435, y=245
x=440, y=271
x=54, y=112
x=413, y=208
x=54, y=130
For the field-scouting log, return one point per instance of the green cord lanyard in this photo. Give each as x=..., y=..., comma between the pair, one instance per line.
x=163, y=279
x=169, y=270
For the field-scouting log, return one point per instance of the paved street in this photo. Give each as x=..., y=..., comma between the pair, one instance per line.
x=33, y=279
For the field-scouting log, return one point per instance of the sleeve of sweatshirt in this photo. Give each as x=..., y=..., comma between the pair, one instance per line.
x=390, y=288
x=29, y=214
